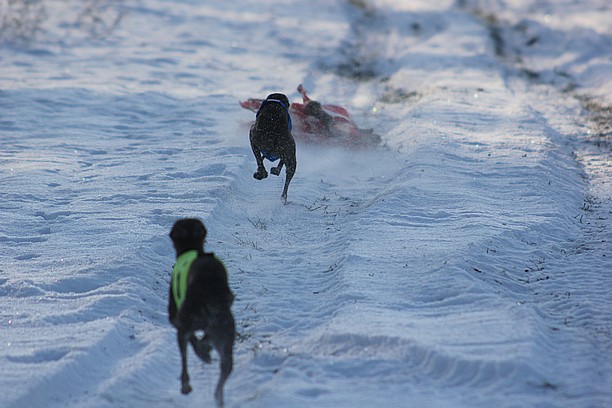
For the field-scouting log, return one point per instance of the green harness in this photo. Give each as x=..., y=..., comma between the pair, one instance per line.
x=180, y=276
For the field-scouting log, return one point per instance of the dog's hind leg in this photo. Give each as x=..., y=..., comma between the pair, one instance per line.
x=227, y=364
x=182, y=343
x=289, y=172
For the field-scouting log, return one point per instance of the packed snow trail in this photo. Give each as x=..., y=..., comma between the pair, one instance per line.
x=458, y=265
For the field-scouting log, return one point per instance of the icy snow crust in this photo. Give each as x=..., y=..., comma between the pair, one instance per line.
x=464, y=263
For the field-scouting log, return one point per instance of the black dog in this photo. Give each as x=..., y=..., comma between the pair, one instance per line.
x=271, y=139
x=314, y=108
x=200, y=300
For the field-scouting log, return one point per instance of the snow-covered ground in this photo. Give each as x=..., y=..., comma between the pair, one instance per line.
x=465, y=262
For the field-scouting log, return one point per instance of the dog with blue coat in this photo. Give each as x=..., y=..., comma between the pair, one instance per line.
x=271, y=139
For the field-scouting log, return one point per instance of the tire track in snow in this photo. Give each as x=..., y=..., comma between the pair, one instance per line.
x=302, y=341
x=462, y=358
x=286, y=261
x=84, y=298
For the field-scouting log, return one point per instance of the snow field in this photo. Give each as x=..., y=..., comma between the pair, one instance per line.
x=463, y=263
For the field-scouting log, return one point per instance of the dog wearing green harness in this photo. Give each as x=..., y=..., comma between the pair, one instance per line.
x=200, y=301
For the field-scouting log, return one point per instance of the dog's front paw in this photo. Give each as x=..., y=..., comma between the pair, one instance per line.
x=186, y=389
x=260, y=174
x=275, y=170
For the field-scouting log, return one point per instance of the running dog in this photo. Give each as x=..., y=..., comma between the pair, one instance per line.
x=271, y=139
x=200, y=300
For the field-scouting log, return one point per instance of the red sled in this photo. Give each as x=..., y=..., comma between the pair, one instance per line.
x=317, y=123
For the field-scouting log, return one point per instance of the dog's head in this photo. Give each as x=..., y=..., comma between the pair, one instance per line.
x=314, y=108
x=279, y=97
x=188, y=233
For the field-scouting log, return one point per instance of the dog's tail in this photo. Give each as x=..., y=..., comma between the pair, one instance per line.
x=302, y=91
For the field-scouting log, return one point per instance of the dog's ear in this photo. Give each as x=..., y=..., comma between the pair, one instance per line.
x=189, y=230
x=285, y=100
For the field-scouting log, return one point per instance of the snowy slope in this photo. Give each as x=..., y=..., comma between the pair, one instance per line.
x=463, y=263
